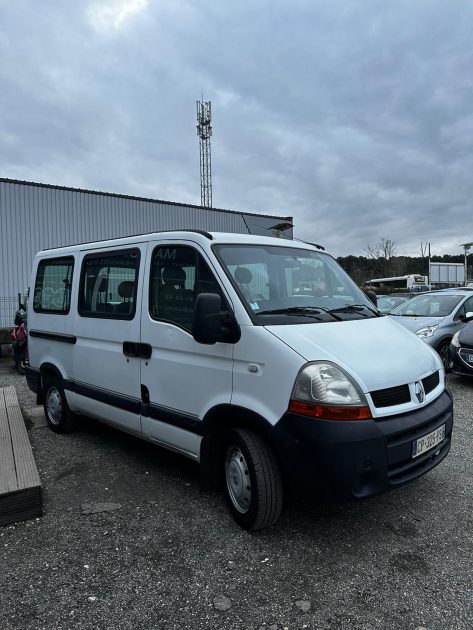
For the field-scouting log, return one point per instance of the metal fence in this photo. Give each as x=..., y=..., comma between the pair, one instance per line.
x=8, y=308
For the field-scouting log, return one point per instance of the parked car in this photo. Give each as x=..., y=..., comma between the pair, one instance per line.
x=420, y=288
x=461, y=351
x=436, y=316
x=387, y=303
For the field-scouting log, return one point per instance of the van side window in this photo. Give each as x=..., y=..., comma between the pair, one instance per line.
x=178, y=275
x=108, y=284
x=52, y=289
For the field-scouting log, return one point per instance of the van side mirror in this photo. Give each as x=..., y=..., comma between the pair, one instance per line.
x=210, y=324
x=371, y=295
x=468, y=317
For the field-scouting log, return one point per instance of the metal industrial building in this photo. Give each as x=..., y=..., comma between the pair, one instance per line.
x=39, y=216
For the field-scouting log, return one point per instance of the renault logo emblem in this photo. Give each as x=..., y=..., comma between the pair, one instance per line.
x=419, y=390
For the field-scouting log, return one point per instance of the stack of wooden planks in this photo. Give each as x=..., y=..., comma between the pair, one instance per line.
x=21, y=494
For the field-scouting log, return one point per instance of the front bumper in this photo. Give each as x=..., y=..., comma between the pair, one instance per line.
x=344, y=460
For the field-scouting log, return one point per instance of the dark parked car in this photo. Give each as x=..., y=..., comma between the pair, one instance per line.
x=461, y=351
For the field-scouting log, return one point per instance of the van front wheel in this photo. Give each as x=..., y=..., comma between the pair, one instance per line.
x=253, y=480
x=59, y=417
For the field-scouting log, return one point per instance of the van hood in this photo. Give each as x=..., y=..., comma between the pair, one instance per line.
x=377, y=352
x=416, y=323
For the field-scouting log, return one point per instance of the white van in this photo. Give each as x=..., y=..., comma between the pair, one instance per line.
x=257, y=357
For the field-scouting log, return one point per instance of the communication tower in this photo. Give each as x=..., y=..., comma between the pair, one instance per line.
x=204, y=131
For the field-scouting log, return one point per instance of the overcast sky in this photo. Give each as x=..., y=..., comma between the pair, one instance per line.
x=354, y=116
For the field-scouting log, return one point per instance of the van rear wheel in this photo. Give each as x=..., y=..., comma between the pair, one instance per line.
x=253, y=480
x=58, y=415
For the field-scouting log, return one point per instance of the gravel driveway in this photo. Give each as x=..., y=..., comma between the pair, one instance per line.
x=166, y=556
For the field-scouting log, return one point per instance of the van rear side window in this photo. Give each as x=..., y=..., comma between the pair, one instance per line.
x=52, y=289
x=108, y=284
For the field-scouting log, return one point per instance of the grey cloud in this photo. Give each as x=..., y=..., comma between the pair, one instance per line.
x=354, y=117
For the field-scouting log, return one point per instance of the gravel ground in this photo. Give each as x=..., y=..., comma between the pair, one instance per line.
x=167, y=556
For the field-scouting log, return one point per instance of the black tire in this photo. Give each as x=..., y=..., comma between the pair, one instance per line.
x=253, y=480
x=442, y=349
x=58, y=415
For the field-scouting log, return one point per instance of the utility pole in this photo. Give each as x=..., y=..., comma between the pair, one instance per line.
x=429, y=268
x=466, y=247
x=204, y=131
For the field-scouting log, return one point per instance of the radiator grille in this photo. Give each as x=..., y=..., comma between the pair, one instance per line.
x=431, y=382
x=391, y=396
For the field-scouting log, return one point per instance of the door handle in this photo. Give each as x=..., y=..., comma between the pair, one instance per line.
x=135, y=349
x=146, y=350
x=131, y=349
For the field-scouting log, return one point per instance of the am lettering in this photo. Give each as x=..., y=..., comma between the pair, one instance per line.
x=166, y=254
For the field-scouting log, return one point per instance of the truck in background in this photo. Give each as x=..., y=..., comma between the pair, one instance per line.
x=446, y=274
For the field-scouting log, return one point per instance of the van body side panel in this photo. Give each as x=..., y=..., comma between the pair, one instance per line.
x=106, y=381
x=265, y=369
x=182, y=375
x=183, y=378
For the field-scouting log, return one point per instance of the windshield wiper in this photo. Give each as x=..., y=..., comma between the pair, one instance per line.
x=353, y=308
x=304, y=311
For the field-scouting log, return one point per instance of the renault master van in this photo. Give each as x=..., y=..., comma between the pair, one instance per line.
x=257, y=357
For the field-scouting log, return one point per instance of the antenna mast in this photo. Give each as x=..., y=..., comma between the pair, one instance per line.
x=204, y=131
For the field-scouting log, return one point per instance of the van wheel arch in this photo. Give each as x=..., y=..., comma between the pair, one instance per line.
x=216, y=425
x=47, y=369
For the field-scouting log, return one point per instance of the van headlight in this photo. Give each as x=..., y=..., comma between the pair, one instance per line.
x=427, y=331
x=454, y=340
x=324, y=390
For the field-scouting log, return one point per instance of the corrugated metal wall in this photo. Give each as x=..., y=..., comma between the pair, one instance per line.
x=35, y=217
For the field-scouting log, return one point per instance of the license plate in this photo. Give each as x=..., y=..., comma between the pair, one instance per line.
x=467, y=357
x=425, y=443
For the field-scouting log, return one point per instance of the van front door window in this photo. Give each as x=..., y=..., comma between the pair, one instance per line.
x=178, y=275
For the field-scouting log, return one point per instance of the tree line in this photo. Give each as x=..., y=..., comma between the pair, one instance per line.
x=381, y=261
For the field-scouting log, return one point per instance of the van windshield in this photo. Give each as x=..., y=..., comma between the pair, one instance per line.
x=287, y=285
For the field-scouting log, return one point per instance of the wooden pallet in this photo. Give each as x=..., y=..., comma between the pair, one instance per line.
x=21, y=495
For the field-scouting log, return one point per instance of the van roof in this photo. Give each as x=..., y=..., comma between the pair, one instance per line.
x=198, y=236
